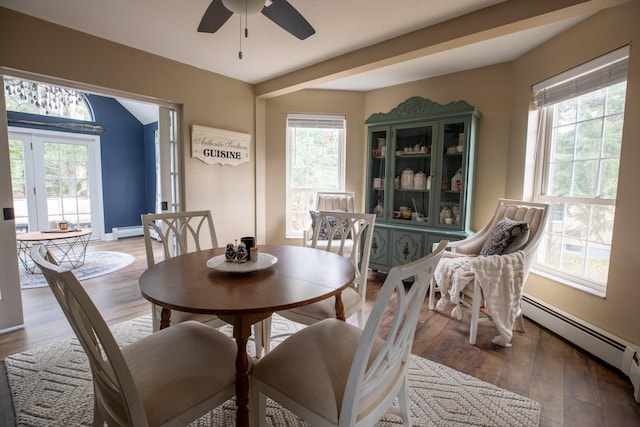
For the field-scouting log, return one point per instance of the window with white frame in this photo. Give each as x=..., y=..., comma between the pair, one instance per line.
x=580, y=120
x=315, y=162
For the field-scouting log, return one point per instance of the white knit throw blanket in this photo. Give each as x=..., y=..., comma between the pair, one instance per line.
x=501, y=278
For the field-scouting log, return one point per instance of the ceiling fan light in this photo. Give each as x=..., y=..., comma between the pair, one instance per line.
x=244, y=7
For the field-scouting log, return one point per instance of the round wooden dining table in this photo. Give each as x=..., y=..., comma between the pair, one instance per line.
x=300, y=276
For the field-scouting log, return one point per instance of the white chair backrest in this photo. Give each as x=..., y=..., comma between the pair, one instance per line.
x=178, y=231
x=113, y=382
x=342, y=227
x=535, y=214
x=379, y=369
x=326, y=201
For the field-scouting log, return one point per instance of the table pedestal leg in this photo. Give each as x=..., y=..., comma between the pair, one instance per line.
x=242, y=383
x=339, y=307
x=165, y=317
x=241, y=333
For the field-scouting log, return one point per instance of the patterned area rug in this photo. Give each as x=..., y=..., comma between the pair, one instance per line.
x=96, y=264
x=51, y=386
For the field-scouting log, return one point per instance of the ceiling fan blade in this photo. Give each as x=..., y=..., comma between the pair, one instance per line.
x=214, y=17
x=286, y=16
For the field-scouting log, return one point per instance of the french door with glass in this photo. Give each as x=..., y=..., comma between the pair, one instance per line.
x=55, y=176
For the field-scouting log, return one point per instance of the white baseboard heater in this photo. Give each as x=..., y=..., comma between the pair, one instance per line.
x=122, y=232
x=607, y=347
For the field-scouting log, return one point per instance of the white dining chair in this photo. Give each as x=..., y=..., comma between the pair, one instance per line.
x=338, y=201
x=179, y=233
x=339, y=228
x=169, y=378
x=333, y=373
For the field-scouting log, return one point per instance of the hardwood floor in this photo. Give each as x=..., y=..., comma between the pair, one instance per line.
x=573, y=388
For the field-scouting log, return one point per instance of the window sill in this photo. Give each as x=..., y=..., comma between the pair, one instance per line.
x=567, y=282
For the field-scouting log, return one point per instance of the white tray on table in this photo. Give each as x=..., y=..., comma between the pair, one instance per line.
x=219, y=263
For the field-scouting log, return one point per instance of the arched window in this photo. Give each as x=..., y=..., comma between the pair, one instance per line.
x=46, y=100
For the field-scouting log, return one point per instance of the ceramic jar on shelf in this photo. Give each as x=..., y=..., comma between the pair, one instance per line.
x=456, y=181
x=445, y=215
x=405, y=212
x=420, y=181
x=379, y=209
x=455, y=214
x=406, y=179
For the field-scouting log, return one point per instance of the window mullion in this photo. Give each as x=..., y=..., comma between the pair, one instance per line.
x=598, y=201
x=546, y=127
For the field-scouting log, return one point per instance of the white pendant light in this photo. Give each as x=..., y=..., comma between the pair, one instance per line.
x=244, y=7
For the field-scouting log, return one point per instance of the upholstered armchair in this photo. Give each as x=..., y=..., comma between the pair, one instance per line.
x=488, y=270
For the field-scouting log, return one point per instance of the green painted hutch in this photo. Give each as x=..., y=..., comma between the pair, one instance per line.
x=420, y=168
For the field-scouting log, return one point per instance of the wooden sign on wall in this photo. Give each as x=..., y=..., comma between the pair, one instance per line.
x=217, y=146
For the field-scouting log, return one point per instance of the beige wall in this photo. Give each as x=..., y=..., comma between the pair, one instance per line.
x=308, y=101
x=206, y=99
x=619, y=312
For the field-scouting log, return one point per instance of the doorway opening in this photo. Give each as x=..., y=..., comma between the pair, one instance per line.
x=69, y=171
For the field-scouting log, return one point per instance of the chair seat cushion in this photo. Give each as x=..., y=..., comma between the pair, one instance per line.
x=320, y=354
x=159, y=359
x=325, y=309
x=508, y=236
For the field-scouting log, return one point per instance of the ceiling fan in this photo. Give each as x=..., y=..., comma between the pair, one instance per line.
x=279, y=11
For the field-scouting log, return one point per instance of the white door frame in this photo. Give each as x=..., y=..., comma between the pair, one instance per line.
x=165, y=190
x=36, y=136
x=10, y=294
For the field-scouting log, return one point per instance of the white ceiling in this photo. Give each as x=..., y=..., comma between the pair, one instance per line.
x=494, y=51
x=169, y=28
x=144, y=112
